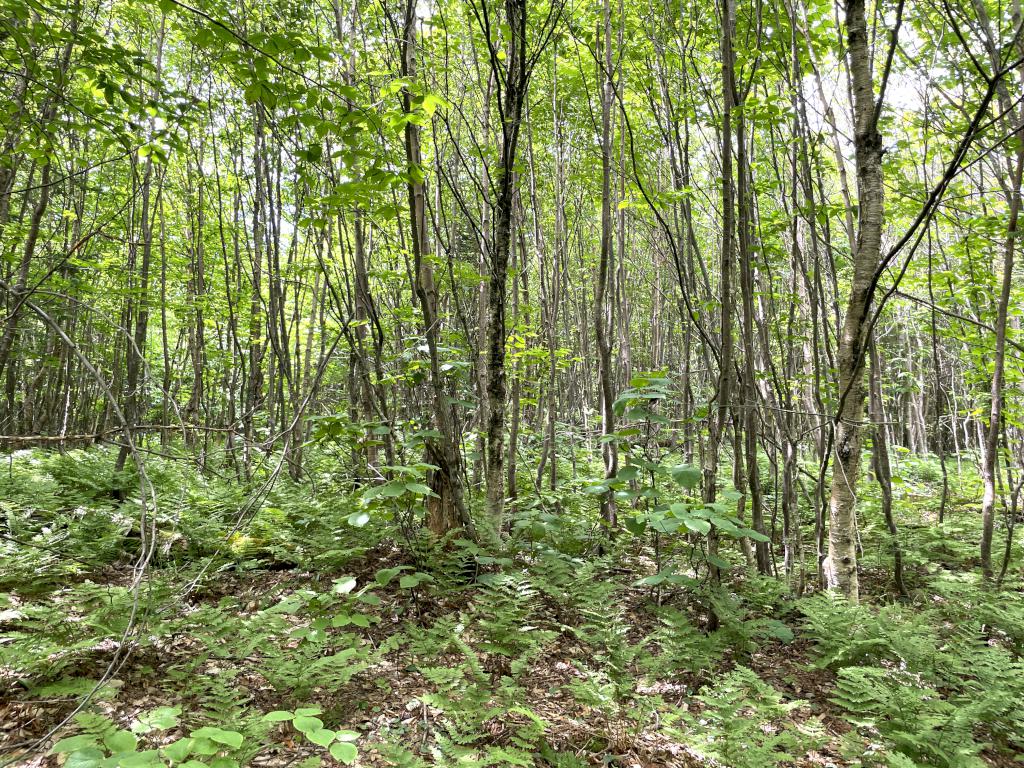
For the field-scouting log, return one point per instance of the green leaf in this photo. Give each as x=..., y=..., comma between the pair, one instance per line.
x=635, y=525
x=627, y=474
x=84, y=758
x=780, y=631
x=278, y=716
x=321, y=736
x=750, y=533
x=72, y=743
x=650, y=581
x=121, y=741
x=413, y=580
x=724, y=524
x=178, y=750
x=717, y=561
x=697, y=525
x=392, y=489
x=148, y=759
x=232, y=739
x=344, y=585
x=344, y=752
x=307, y=724
x=431, y=102
x=358, y=519
x=686, y=475
x=307, y=711
x=385, y=575
x=205, y=747
x=159, y=719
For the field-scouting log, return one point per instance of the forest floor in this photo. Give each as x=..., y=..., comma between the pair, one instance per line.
x=390, y=696
x=533, y=656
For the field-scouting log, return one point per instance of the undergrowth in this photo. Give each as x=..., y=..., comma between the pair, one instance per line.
x=288, y=633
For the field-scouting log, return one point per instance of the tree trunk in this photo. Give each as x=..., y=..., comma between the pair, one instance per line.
x=841, y=562
x=514, y=80
x=602, y=312
x=880, y=464
x=449, y=509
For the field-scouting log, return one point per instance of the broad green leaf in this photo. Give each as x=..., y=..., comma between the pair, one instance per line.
x=344, y=585
x=345, y=752
x=750, y=533
x=307, y=724
x=385, y=575
x=719, y=562
x=697, y=525
x=634, y=525
x=147, y=759
x=205, y=747
x=232, y=739
x=650, y=581
x=392, y=489
x=73, y=743
x=178, y=750
x=84, y=758
x=121, y=741
x=159, y=719
x=278, y=716
x=358, y=519
x=321, y=736
x=686, y=475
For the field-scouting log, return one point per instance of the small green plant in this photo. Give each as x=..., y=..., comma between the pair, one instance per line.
x=305, y=721
x=102, y=745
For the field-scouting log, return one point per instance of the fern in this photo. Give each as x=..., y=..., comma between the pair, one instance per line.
x=742, y=723
x=683, y=647
x=503, y=620
x=911, y=717
x=849, y=634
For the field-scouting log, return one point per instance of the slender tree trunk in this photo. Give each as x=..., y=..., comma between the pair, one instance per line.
x=990, y=445
x=602, y=311
x=841, y=563
x=449, y=509
x=880, y=464
x=514, y=81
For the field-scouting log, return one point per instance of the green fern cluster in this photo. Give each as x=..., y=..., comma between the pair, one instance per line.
x=681, y=646
x=743, y=723
x=913, y=719
x=933, y=700
x=849, y=634
x=504, y=621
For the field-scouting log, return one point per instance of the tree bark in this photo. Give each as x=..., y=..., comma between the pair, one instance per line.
x=449, y=509
x=602, y=312
x=841, y=563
